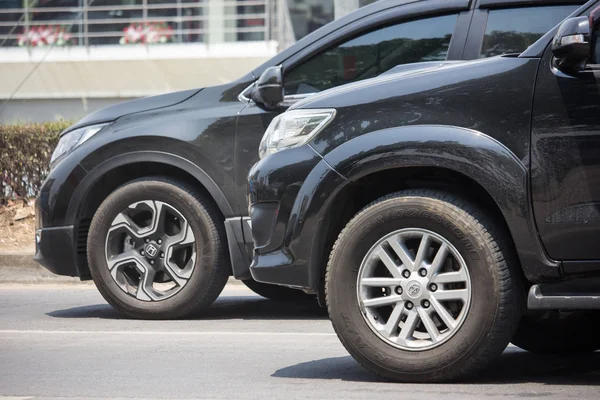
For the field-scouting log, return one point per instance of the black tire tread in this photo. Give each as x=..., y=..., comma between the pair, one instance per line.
x=509, y=310
x=221, y=271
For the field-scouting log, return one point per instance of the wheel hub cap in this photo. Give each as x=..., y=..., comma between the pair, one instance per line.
x=151, y=250
x=414, y=289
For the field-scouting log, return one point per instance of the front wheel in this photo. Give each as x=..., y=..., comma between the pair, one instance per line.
x=421, y=287
x=156, y=250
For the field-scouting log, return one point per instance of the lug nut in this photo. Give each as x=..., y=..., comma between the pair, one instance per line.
x=159, y=241
x=152, y=262
x=433, y=287
x=147, y=240
x=423, y=272
x=408, y=305
x=162, y=255
x=406, y=273
x=398, y=289
x=425, y=303
x=142, y=252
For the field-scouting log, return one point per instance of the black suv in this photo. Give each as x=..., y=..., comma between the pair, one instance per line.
x=424, y=205
x=148, y=197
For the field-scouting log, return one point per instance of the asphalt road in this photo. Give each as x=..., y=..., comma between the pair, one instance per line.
x=64, y=341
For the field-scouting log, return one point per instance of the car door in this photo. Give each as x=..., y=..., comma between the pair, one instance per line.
x=565, y=163
x=509, y=27
x=358, y=55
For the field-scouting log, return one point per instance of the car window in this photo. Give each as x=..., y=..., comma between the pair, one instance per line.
x=513, y=30
x=373, y=53
x=596, y=52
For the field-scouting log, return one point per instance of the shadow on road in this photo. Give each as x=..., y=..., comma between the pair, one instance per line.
x=514, y=366
x=226, y=307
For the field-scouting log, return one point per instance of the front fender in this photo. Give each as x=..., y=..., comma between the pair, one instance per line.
x=466, y=151
x=146, y=156
x=473, y=154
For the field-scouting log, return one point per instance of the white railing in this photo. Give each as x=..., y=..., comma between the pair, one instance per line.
x=149, y=22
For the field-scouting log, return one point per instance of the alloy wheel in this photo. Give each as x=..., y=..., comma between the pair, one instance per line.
x=414, y=289
x=150, y=250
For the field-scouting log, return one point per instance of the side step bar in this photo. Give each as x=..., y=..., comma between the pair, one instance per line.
x=536, y=300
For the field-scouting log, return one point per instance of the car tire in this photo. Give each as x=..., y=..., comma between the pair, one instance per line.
x=191, y=265
x=421, y=355
x=278, y=293
x=556, y=332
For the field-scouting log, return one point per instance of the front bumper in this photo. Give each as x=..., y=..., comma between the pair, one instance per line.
x=54, y=250
x=56, y=239
x=288, y=195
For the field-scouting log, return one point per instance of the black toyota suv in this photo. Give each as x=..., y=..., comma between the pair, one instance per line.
x=442, y=212
x=148, y=197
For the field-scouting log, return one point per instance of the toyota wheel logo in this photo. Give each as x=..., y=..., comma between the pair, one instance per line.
x=414, y=290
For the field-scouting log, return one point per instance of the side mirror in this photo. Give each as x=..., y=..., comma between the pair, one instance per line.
x=575, y=42
x=268, y=89
x=572, y=44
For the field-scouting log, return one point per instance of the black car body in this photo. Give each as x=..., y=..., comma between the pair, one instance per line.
x=446, y=114
x=515, y=136
x=207, y=138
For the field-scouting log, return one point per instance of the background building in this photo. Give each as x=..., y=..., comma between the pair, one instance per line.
x=66, y=58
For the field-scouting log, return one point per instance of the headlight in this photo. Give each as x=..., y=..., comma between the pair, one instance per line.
x=70, y=140
x=292, y=129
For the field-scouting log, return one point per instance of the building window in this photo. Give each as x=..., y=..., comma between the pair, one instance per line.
x=251, y=22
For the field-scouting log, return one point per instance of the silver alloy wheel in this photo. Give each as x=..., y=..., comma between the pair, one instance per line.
x=414, y=289
x=150, y=250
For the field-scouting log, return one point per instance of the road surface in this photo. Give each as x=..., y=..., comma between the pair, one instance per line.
x=64, y=341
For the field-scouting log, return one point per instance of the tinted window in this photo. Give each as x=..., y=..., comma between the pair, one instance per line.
x=596, y=54
x=513, y=30
x=373, y=53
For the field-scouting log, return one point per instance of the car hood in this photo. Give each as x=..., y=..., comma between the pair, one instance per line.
x=111, y=113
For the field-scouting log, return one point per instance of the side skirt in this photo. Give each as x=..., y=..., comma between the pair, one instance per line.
x=574, y=294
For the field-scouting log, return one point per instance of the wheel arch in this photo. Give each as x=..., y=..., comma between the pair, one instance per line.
x=117, y=171
x=356, y=195
x=423, y=156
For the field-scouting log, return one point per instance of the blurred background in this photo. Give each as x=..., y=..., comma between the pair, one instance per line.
x=61, y=59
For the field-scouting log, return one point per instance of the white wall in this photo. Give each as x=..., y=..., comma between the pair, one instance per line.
x=72, y=78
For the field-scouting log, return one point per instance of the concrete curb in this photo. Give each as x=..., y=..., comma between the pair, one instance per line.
x=19, y=267
x=17, y=259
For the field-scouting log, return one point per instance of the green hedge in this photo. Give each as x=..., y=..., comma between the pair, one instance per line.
x=25, y=151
